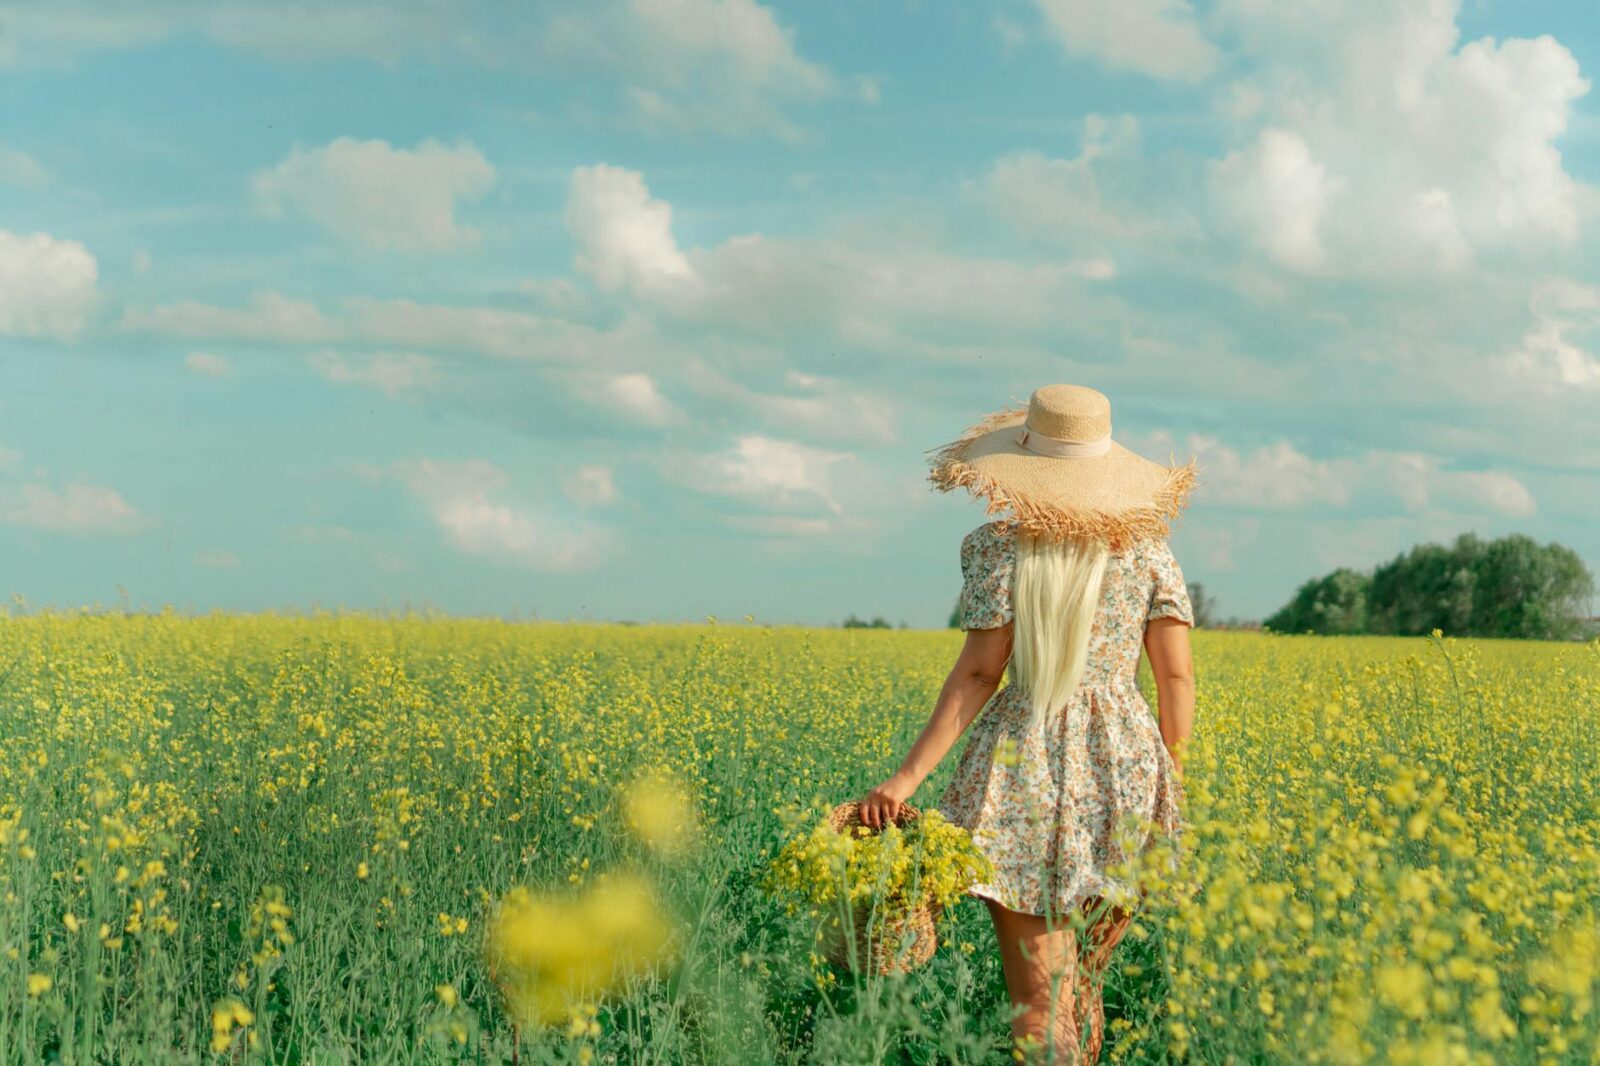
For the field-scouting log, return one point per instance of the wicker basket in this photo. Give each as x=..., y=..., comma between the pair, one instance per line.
x=881, y=949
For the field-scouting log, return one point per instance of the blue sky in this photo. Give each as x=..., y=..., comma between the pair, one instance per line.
x=648, y=309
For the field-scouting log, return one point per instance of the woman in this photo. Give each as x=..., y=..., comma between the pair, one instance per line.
x=1064, y=591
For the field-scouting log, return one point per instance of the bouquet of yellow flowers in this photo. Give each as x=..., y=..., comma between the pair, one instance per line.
x=877, y=892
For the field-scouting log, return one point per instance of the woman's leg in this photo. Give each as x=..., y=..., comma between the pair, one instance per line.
x=1039, y=963
x=1106, y=925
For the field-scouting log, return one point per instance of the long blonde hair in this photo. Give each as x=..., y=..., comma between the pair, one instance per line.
x=1055, y=590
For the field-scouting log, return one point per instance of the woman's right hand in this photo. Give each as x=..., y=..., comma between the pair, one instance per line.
x=882, y=805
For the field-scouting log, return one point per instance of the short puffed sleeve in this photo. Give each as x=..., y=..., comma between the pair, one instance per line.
x=1169, y=593
x=986, y=561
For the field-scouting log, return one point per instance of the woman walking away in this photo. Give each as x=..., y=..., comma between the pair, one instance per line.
x=1064, y=590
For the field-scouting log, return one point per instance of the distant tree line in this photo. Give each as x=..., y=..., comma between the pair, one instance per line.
x=1509, y=587
x=877, y=623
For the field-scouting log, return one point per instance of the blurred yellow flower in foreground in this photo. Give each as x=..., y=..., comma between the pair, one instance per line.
x=225, y=1014
x=661, y=813
x=553, y=955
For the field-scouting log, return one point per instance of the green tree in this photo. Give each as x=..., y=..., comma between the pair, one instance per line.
x=1426, y=588
x=1508, y=587
x=1524, y=590
x=1205, y=608
x=1336, y=603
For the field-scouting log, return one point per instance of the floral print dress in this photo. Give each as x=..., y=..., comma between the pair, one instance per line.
x=1048, y=807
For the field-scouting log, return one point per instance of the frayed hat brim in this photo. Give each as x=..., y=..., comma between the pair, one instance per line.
x=1118, y=497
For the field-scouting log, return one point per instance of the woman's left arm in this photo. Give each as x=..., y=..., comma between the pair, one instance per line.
x=976, y=674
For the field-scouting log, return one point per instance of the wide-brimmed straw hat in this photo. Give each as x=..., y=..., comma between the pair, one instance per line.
x=1054, y=465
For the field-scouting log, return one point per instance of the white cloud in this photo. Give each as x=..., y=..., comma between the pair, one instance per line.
x=873, y=294
x=624, y=236
x=47, y=286
x=1550, y=357
x=396, y=198
x=814, y=405
x=207, y=364
x=1012, y=36
x=767, y=471
x=590, y=485
x=1442, y=154
x=624, y=399
x=21, y=169
x=331, y=29
x=1493, y=490
x=491, y=331
x=633, y=394
x=1279, y=477
x=773, y=525
x=723, y=66
x=1094, y=196
x=59, y=32
x=389, y=372
x=466, y=500
x=271, y=316
x=1155, y=37
x=1278, y=194
x=77, y=507
x=217, y=559
x=727, y=67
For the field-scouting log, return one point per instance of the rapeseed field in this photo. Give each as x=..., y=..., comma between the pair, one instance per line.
x=344, y=837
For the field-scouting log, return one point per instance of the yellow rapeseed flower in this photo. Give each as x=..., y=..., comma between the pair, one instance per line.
x=551, y=954
x=660, y=812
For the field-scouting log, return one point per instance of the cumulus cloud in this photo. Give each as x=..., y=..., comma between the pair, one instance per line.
x=271, y=316
x=1556, y=353
x=206, y=364
x=492, y=331
x=590, y=485
x=473, y=506
x=1371, y=143
x=403, y=199
x=1279, y=477
x=77, y=507
x=496, y=332
x=391, y=373
x=1103, y=194
x=624, y=236
x=62, y=31
x=1278, y=194
x=47, y=286
x=627, y=397
x=766, y=471
x=1155, y=37
x=727, y=67
x=811, y=404
x=20, y=168
x=868, y=295
x=777, y=525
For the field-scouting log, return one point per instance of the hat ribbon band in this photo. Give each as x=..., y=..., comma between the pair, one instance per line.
x=1035, y=441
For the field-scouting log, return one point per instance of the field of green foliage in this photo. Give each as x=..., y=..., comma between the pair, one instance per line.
x=349, y=838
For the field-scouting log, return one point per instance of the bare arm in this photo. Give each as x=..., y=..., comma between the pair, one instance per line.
x=1166, y=641
x=976, y=674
